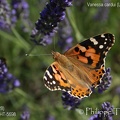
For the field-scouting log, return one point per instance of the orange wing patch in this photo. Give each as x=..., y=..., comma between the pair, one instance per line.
x=54, y=79
x=96, y=76
x=80, y=91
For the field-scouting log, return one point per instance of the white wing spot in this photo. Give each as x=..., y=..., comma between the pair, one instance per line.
x=101, y=46
x=104, y=42
x=105, y=39
x=54, y=82
x=105, y=53
x=49, y=74
x=58, y=87
x=55, y=88
x=48, y=82
x=94, y=41
x=109, y=48
x=45, y=77
x=54, y=70
x=103, y=36
x=52, y=89
x=63, y=89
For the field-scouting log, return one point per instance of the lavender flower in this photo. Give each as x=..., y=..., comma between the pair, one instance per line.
x=70, y=102
x=21, y=8
x=80, y=4
x=64, y=34
x=51, y=16
x=7, y=16
x=50, y=117
x=106, y=81
x=25, y=114
x=106, y=113
x=103, y=12
x=117, y=90
x=3, y=68
x=7, y=81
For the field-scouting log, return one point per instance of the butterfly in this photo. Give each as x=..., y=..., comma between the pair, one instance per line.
x=81, y=68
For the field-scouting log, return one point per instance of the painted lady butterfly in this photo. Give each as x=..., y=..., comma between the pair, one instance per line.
x=80, y=68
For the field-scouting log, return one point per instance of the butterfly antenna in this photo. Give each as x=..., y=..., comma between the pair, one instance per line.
x=28, y=53
x=53, y=52
x=54, y=44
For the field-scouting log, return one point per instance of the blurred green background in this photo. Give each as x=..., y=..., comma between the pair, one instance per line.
x=85, y=22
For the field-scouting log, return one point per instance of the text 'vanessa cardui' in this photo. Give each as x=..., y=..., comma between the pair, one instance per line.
x=81, y=67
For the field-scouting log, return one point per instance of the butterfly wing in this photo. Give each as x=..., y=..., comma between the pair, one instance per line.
x=55, y=78
x=92, y=51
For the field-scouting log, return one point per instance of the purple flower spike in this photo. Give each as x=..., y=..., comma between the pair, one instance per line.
x=102, y=13
x=21, y=8
x=65, y=39
x=25, y=113
x=7, y=81
x=106, y=113
x=51, y=16
x=3, y=68
x=117, y=90
x=50, y=117
x=106, y=81
x=70, y=102
x=7, y=16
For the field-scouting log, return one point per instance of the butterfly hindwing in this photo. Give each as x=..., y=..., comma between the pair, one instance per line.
x=80, y=92
x=54, y=79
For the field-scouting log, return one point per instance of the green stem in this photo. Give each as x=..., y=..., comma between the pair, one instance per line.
x=72, y=20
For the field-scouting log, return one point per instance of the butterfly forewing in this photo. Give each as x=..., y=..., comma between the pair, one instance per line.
x=55, y=79
x=92, y=51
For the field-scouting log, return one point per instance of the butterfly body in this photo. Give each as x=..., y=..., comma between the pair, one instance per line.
x=67, y=66
x=81, y=68
x=63, y=61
